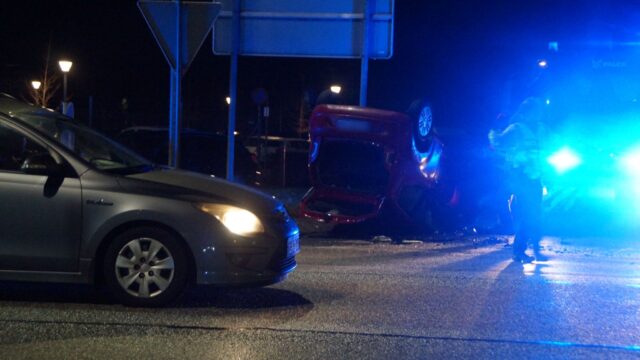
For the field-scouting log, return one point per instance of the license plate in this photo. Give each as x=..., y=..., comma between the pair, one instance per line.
x=293, y=245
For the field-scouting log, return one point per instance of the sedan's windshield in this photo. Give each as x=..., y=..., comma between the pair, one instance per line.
x=98, y=150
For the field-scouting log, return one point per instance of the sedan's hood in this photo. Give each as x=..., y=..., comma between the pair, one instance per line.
x=185, y=183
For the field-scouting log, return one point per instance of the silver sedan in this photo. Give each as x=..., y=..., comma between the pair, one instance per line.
x=77, y=207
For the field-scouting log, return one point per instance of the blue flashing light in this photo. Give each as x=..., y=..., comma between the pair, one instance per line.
x=548, y=101
x=543, y=64
x=564, y=160
x=631, y=162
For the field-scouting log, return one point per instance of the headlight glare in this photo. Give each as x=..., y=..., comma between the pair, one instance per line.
x=237, y=220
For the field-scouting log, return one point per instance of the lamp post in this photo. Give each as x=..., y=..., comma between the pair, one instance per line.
x=65, y=66
x=35, y=84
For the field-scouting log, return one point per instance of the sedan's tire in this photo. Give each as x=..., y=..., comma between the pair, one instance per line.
x=422, y=121
x=145, y=266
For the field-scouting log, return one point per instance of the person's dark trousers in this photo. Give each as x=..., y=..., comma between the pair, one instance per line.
x=526, y=211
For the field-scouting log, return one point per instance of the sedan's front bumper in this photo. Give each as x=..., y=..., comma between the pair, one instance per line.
x=262, y=262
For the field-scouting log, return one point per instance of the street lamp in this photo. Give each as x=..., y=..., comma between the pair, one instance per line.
x=35, y=84
x=65, y=66
x=330, y=95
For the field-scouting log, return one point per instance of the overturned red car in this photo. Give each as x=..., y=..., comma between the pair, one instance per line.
x=365, y=162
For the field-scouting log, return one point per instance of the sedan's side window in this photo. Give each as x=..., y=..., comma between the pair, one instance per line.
x=15, y=148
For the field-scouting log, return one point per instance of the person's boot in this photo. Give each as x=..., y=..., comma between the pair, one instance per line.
x=537, y=254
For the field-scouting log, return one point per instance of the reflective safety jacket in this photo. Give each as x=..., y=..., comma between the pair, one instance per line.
x=519, y=144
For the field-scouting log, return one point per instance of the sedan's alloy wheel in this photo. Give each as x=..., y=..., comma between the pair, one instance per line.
x=144, y=267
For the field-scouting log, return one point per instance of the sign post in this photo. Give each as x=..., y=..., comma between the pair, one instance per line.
x=180, y=28
x=175, y=101
x=233, y=90
x=364, y=64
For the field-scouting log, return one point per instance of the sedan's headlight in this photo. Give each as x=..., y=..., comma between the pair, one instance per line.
x=237, y=220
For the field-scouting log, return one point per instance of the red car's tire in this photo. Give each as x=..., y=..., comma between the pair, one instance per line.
x=422, y=121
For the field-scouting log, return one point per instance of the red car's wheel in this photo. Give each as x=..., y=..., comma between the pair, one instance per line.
x=422, y=117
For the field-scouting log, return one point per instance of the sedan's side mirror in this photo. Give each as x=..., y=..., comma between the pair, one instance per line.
x=41, y=164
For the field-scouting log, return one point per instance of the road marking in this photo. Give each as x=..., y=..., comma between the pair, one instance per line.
x=633, y=348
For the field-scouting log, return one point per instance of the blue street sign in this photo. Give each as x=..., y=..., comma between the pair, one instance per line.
x=307, y=28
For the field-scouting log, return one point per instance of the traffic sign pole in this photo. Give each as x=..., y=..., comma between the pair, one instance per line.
x=233, y=88
x=175, y=116
x=364, y=64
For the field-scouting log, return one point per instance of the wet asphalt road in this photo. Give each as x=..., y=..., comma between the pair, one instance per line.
x=355, y=299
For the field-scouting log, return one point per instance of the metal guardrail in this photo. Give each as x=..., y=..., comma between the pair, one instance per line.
x=265, y=147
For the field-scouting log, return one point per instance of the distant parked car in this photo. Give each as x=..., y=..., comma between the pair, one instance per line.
x=78, y=207
x=366, y=162
x=201, y=151
x=282, y=160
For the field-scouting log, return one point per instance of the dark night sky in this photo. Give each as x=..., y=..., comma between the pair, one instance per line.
x=456, y=53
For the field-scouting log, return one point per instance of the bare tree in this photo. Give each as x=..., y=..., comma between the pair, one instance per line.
x=50, y=84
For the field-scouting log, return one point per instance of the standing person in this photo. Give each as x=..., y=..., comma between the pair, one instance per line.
x=67, y=107
x=519, y=144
